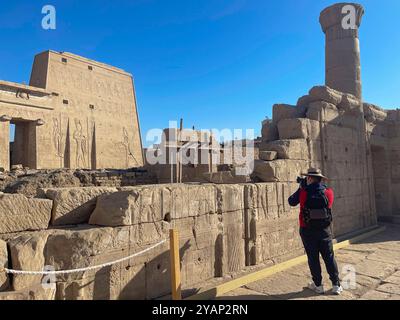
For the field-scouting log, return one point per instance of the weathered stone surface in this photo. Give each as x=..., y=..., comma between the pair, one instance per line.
x=74, y=205
x=304, y=101
x=18, y=213
x=342, y=48
x=229, y=198
x=278, y=170
x=201, y=243
x=233, y=241
x=129, y=207
x=269, y=130
x=86, y=246
x=33, y=293
x=351, y=104
x=81, y=247
x=261, y=201
x=322, y=111
x=225, y=177
x=118, y=209
x=27, y=253
x=326, y=94
x=124, y=281
x=154, y=203
x=299, y=128
x=268, y=155
x=3, y=263
x=294, y=149
x=286, y=111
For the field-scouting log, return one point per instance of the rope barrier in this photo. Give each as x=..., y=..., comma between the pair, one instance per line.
x=83, y=269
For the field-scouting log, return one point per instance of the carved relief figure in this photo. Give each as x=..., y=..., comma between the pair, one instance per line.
x=80, y=140
x=58, y=138
x=127, y=148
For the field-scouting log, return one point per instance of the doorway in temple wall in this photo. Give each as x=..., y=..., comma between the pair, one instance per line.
x=23, y=143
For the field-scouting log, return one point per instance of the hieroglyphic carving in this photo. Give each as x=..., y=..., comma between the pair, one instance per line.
x=90, y=123
x=80, y=140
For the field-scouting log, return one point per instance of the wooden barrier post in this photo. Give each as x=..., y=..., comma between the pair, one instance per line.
x=175, y=264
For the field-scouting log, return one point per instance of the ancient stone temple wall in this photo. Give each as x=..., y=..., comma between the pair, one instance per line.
x=383, y=134
x=223, y=229
x=325, y=130
x=76, y=113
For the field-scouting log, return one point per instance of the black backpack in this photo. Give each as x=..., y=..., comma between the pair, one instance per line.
x=316, y=212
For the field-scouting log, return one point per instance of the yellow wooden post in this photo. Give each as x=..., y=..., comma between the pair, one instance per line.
x=175, y=264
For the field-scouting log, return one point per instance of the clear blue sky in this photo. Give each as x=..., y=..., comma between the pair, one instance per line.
x=217, y=64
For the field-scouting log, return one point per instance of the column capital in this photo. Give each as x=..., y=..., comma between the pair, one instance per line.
x=333, y=16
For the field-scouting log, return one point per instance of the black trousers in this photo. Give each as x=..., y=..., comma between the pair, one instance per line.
x=320, y=242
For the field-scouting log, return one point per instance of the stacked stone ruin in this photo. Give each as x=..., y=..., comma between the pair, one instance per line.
x=325, y=130
x=225, y=229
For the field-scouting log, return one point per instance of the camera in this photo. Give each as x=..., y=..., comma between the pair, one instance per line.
x=301, y=181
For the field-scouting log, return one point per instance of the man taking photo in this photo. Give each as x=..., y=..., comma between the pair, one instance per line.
x=315, y=218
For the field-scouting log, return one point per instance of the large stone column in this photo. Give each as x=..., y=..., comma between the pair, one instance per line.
x=342, y=48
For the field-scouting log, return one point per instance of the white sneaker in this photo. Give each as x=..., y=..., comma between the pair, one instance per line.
x=337, y=289
x=313, y=287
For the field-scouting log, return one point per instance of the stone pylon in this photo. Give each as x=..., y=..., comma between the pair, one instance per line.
x=340, y=23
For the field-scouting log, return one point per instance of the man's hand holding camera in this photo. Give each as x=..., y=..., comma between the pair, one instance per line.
x=302, y=182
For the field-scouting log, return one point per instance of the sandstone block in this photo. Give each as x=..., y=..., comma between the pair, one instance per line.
x=351, y=104
x=33, y=293
x=227, y=177
x=294, y=149
x=304, y=101
x=293, y=129
x=3, y=263
x=325, y=93
x=322, y=111
x=261, y=201
x=19, y=213
x=92, y=246
x=201, y=264
x=285, y=111
x=300, y=128
x=74, y=205
x=374, y=113
x=233, y=241
x=85, y=246
x=154, y=203
x=27, y=253
x=230, y=198
x=269, y=130
x=124, y=281
x=279, y=170
x=17, y=167
x=118, y=209
x=189, y=200
x=275, y=239
x=268, y=155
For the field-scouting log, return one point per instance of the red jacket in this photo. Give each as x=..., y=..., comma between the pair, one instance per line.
x=300, y=197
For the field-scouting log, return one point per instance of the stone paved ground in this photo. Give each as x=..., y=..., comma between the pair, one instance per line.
x=376, y=261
